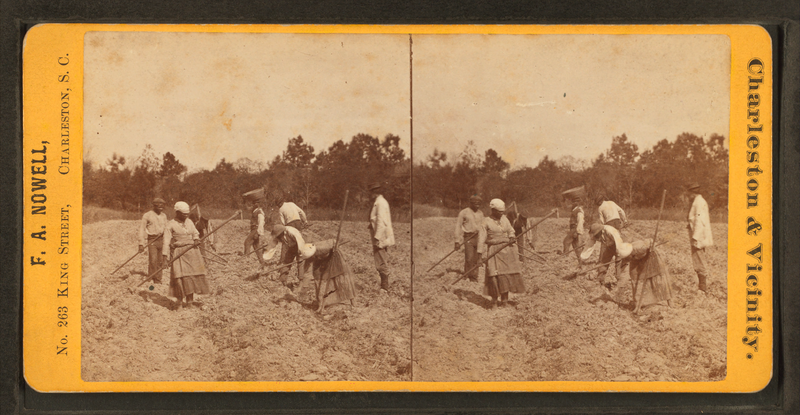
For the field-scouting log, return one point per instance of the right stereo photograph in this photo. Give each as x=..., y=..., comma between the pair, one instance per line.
x=570, y=207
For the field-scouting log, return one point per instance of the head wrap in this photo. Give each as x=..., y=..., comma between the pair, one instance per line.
x=498, y=205
x=182, y=207
x=159, y=200
x=375, y=186
x=475, y=198
x=694, y=186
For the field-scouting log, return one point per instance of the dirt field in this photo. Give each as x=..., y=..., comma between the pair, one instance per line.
x=249, y=328
x=567, y=329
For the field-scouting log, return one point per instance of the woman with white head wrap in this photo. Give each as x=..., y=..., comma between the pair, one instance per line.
x=503, y=270
x=188, y=274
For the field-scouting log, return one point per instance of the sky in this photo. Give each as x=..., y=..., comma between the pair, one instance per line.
x=208, y=96
x=530, y=96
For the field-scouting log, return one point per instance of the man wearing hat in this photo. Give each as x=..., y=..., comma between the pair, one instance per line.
x=699, y=226
x=381, y=233
x=188, y=273
x=468, y=224
x=611, y=246
x=151, y=231
x=255, y=239
x=576, y=228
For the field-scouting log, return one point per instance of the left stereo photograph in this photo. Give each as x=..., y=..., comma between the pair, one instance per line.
x=245, y=207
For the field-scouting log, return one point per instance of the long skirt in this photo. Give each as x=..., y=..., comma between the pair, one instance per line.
x=335, y=278
x=651, y=275
x=503, y=272
x=188, y=274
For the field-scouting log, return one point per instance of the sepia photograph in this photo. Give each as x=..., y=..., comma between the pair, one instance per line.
x=570, y=207
x=246, y=207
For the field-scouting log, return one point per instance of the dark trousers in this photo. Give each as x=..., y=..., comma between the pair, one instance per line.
x=288, y=255
x=617, y=223
x=471, y=256
x=155, y=258
x=572, y=241
x=253, y=242
x=699, y=263
x=607, y=254
x=381, y=256
x=296, y=224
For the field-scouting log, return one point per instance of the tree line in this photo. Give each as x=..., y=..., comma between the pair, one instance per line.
x=622, y=173
x=311, y=179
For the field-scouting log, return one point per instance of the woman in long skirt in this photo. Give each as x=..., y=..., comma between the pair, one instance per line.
x=188, y=275
x=503, y=269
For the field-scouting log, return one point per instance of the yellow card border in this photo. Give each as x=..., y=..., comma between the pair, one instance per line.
x=52, y=151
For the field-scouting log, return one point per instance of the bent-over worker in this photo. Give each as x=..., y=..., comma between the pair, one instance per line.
x=611, y=247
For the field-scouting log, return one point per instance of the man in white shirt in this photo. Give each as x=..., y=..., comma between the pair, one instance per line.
x=381, y=233
x=468, y=224
x=291, y=214
x=151, y=231
x=699, y=226
x=610, y=213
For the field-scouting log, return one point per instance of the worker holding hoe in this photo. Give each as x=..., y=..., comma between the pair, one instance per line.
x=503, y=269
x=468, y=224
x=188, y=275
x=151, y=232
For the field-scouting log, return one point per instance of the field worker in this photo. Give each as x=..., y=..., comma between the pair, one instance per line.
x=650, y=274
x=291, y=214
x=188, y=275
x=611, y=247
x=468, y=224
x=699, y=227
x=293, y=248
x=610, y=213
x=573, y=241
x=151, y=232
x=203, y=225
x=503, y=269
x=333, y=274
x=381, y=233
x=255, y=239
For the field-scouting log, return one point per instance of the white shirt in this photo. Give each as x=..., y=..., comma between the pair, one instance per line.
x=380, y=223
x=700, y=224
x=468, y=221
x=291, y=212
x=609, y=211
x=152, y=224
